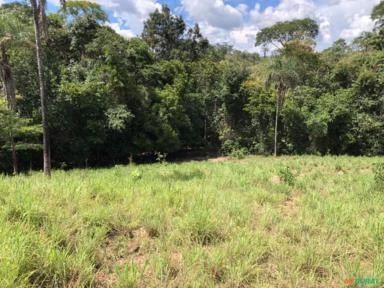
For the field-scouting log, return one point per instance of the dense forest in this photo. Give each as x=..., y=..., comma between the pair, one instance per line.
x=110, y=99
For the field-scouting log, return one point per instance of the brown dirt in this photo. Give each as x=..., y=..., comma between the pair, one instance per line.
x=104, y=280
x=219, y=159
x=121, y=247
x=275, y=179
x=290, y=205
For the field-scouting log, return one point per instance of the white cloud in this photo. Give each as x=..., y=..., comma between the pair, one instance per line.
x=215, y=13
x=127, y=33
x=347, y=19
x=130, y=14
x=358, y=24
x=286, y=10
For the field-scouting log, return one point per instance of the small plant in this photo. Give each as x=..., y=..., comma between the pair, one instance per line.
x=161, y=157
x=287, y=175
x=379, y=176
x=136, y=175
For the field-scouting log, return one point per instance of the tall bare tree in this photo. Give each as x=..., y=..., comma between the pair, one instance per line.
x=41, y=33
x=39, y=19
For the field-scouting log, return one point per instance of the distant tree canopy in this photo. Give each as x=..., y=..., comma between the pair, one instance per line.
x=111, y=99
x=80, y=8
x=378, y=14
x=283, y=32
x=163, y=32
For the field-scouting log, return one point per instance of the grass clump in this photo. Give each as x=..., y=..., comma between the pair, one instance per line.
x=379, y=176
x=287, y=175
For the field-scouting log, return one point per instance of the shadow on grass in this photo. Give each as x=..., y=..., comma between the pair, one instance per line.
x=184, y=176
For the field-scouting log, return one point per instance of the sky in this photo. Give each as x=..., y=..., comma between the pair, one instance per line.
x=236, y=22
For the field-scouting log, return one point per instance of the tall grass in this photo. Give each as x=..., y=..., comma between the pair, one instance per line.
x=256, y=222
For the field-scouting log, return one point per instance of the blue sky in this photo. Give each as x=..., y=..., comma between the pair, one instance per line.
x=236, y=22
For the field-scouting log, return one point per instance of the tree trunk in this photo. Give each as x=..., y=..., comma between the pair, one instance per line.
x=9, y=93
x=8, y=82
x=276, y=124
x=14, y=156
x=281, y=89
x=36, y=7
x=43, y=28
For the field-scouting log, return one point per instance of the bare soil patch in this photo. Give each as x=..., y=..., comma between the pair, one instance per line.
x=121, y=247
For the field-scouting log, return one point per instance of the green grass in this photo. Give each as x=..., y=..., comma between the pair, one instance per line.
x=256, y=222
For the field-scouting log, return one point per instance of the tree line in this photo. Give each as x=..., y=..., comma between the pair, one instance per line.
x=97, y=98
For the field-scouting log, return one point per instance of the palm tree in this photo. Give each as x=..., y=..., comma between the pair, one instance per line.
x=39, y=19
x=283, y=76
x=12, y=33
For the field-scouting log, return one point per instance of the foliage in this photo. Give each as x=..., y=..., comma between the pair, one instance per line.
x=163, y=32
x=378, y=14
x=282, y=33
x=80, y=8
x=287, y=175
x=12, y=126
x=239, y=154
x=112, y=99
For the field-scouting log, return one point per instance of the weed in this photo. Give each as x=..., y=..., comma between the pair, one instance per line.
x=136, y=175
x=287, y=175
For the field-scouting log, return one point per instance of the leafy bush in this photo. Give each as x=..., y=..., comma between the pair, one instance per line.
x=228, y=146
x=234, y=149
x=287, y=175
x=238, y=153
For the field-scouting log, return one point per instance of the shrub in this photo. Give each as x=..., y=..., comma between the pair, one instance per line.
x=239, y=153
x=287, y=175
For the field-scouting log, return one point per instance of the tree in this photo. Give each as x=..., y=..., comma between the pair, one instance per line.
x=283, y=76
x=296, y=40
x=83, y=20
x=281, y=33
x=39, y=18
x=377, y=15
x=17, y=133
x=367, y=41
x=12, y=32
x=163, y=32
x=195, y=44
x=81, y=8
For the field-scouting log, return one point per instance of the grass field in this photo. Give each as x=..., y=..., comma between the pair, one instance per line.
x=256, y=222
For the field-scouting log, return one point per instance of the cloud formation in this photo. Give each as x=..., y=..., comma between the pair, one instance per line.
x=238, y=24
x=215, y=13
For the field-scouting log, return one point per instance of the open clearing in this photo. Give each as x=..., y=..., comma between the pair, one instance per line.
x=231, y=223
